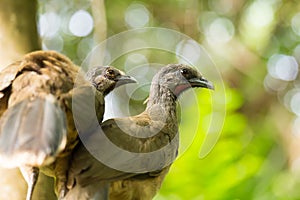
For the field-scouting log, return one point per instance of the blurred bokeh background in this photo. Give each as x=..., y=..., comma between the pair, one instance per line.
x=254, y=45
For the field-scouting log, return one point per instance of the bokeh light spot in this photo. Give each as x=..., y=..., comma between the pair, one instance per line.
x=295, y=103
x=283, y=67
x=221, y=30
x=81, y=23
x=54, y=43
x=134, y=60
x=84, y=46
x=188, y=51
x=274, y=85
x=137, y=15
x=290, y=100
x=49, y=24
x=260, y=13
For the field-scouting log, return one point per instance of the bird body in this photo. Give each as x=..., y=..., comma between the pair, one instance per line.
x=35, y=130
x=38, y=97
x=142, y=186
x=132, y=155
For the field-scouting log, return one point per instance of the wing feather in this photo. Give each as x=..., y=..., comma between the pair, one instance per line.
x=32, y=132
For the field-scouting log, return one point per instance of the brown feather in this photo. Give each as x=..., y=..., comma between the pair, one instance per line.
x=36, y=120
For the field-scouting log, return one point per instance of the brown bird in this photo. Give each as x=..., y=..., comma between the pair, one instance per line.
x=38, y=97
x=133, y=153
x=139, y=187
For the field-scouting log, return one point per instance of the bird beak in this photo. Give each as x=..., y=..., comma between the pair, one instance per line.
x=124, y=79
x=201, y=82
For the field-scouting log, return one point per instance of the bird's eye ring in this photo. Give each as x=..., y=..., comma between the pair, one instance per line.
x=184, y=71
x=110, y=72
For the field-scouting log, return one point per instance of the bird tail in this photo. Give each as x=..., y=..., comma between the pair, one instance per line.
x=32, y=132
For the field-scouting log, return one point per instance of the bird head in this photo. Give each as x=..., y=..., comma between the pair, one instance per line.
x=179, y=77
x=106, y=78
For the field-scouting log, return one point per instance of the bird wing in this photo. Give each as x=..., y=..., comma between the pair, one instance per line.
x=96, y=161
x=140, y=143
x=87, y=176
x=32, y=132
x=33, y=120
x=8, y=74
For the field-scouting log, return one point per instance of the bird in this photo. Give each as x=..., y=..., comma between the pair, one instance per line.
x=39, y=95
x=128, y=158
x=141, y=186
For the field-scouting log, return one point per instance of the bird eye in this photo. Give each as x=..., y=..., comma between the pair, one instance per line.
x=184, y=71
x=110, y=73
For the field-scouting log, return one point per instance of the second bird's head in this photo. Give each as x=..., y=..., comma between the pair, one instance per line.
x=106, y=78
x=179, y=77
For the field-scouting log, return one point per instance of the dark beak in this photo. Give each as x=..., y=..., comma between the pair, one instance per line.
x=201, y=82
x=124, y=79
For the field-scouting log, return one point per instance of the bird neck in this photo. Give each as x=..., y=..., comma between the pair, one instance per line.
x=162, y=104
